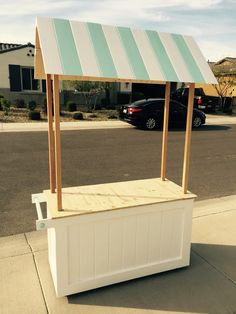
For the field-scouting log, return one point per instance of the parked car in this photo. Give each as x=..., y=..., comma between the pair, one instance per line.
x=149, y=114
x=201, y=101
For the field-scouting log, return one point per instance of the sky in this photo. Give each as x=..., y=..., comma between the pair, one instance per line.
x=211, y=22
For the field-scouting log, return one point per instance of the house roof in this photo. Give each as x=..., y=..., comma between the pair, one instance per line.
x=89, y=51
x=6, y=47
x=229, y=59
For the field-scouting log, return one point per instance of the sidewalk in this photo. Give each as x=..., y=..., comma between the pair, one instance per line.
x=79, y=125
x=208, y=285
x=85, y=125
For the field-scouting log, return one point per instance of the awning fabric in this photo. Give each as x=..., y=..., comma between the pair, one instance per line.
x=90, y=51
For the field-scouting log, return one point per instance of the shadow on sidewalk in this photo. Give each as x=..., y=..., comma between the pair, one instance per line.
x=200, y=288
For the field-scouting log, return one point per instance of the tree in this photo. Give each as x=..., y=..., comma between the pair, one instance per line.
x=226, y=78
x=89, y=90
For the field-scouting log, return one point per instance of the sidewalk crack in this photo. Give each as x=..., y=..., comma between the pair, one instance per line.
x=214, y=267
x=37, y=271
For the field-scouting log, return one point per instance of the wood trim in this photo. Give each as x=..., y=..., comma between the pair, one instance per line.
x=57, y=140
x=165, y=131
x=51, y=147
x=188, y=138
x=39, y=71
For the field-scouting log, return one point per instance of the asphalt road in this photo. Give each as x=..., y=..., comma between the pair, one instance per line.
x=99, y=156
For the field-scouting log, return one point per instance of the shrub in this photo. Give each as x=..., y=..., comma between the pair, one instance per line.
x=34, y=115
x=32, y=105
x=20, y=103
x=5, y=105
x=71, y=106
x=112, y=116
x=93, y=115
x=1, y=96
x=78, y=116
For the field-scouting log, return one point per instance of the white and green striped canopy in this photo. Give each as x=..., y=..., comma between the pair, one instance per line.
x=90, y=51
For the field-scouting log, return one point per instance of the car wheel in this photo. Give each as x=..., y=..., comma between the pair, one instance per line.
x=151, y=123
x=197, y=122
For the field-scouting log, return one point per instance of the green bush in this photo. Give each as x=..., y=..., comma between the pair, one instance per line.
x=113, y=116
x=5, y=105
x=71, y=106
x=78, y=116
x=32, y=105
x=34, y=115
x=20, y=103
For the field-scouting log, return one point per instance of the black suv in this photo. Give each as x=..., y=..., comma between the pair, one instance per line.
x=149, y=113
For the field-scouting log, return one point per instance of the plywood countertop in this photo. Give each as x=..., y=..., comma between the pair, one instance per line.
x=110, y=196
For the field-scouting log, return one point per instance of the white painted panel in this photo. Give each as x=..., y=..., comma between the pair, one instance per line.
x=155, y=240
x=142, y=239
x=175, y=58
x=51, y=59
x=86, y=254
x=115, y=245
x=176, y=245
x=73, y=253
x=200, y=60
x=101, y=248
x=147, y=54
x=172, y=234
x=117, y=51
x=129, y=258
x=85, y=49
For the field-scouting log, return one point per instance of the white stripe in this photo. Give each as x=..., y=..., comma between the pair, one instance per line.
x=118, y=53
x=85, y=49
x=147, y=54
x=175, y=58
x=47, y=38
x=200, y=60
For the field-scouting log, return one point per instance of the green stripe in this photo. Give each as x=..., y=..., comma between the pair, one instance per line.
x=102, y=51
x=133, y=54
x=188, y=58
x=162, y=58
x=67, y=49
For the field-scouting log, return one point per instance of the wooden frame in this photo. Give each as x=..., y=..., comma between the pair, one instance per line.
x=57, y=140
x=165, y=131
x=51, y=148
x=55, y=145
x=188, y=138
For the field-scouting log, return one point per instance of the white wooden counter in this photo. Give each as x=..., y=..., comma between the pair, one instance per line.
x=113, y=232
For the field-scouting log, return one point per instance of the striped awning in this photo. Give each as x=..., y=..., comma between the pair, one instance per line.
x=89, y=51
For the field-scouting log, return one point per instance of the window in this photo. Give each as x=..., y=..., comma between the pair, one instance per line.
x=22, y=79
x=28, y=81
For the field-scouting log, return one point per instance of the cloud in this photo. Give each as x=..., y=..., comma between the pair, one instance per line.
x=211, y=22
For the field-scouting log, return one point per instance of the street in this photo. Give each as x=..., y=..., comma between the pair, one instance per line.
x=110, y=155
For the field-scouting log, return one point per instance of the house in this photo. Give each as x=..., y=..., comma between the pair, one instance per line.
x=17, y=74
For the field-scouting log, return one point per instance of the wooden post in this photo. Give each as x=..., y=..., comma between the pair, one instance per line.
x=188, y=138
x=51, y=147
x=57, y=140
x=165, y=131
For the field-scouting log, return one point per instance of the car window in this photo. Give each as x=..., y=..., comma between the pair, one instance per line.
x=175, y=106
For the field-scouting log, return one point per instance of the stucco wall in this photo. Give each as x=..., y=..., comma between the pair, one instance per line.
x=17, y=57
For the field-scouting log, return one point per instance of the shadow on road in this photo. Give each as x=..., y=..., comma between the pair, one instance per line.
x=201, y=129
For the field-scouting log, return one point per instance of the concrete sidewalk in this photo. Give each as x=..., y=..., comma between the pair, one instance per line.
x=79, y=125
x=207, y=286
x=85, y=125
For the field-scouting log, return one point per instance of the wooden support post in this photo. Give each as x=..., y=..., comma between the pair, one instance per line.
x=188, y=138
x=165, y=132
x=57, y=140
x=51, y=147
